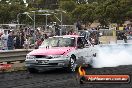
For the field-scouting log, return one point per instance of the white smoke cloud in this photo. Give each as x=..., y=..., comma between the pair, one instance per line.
x=113, y=55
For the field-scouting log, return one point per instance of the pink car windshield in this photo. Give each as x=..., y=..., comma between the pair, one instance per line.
x=59, y=42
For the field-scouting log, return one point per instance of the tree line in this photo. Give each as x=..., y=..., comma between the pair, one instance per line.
x=103, y=11
x=86, y=11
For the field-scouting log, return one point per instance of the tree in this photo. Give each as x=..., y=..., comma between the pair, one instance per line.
x=4, y=13
x=104, y=11
x=85, y=13
x=125, y=8
x=115, y=11
x=69, y=6
x=35, y=3
x=3, y=1
x=43, y=4
x=9, y=10
x=20, y=2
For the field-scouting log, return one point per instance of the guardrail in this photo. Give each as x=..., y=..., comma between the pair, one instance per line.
x=9, y=56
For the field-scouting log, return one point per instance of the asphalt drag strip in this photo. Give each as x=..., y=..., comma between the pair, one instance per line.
x=61, y=79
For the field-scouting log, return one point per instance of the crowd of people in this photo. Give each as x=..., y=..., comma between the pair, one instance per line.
x=28, y=38
x=22, y=39
x=124, y=33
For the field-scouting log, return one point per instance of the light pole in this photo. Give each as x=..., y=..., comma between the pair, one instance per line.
x=53, y=12
x=33, y=19
x=46, y=11
x=27, y=13
x=61, y=24
x=46, y=20
x=61, y=19
x=34, y=25
x=46, y=23
x=46, y=15
x=18, y=18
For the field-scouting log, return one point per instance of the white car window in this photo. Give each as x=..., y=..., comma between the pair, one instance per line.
x=59, y=42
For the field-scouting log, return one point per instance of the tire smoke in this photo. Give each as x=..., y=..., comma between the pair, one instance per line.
x=113, y=55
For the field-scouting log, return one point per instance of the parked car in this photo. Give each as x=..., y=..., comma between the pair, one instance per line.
x=68, y=52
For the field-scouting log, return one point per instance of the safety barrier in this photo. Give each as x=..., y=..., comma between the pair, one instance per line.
x=10, y=56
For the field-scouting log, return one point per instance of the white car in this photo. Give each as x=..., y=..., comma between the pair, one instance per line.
x=69, y=52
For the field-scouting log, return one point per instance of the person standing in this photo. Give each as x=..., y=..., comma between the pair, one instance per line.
x=22, y=39
x=124, y=36
x=17, y=42
x=10, y=41
x=1, y=41
x=4, y=39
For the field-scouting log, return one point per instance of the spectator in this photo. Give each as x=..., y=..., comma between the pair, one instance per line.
x=4, y=39
x=38, y=42
x=19, y=41
x=27, y=43
x=1, y=41
x=22, y=39
x=10, y=41
x=45, y=36
x=124, y=36
x=78, y=25
x=1, y=34
x=71, y=32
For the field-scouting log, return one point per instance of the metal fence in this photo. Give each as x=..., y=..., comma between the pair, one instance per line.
x=9, y=56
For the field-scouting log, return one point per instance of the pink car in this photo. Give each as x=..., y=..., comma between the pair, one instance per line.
x=66, y=52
